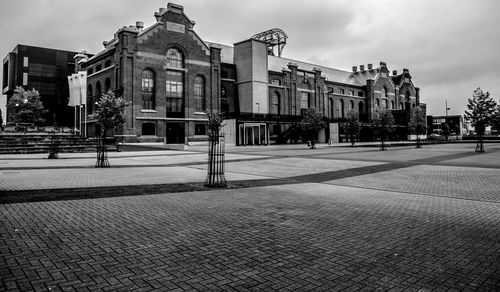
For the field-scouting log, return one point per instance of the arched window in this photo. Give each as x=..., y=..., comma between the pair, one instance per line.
x=304, y=100
x=384, y=92
x=351, y=93
x=98, y=68
x=275, y=103
x=148, y=89
x=351, y=105
x=107, y=64
x=199, y=94
x=175, y=58
x=341, y=91
x=107, y=84
x=98, y=90
x=377, y=102
x=407, y=96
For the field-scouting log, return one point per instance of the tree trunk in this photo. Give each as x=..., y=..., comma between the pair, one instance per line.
x=102, y=151
x=215, y=168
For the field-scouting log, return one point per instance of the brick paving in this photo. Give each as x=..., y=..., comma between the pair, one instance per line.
x=357, y=225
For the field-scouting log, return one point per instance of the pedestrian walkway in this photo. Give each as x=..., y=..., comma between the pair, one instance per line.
x=292, y=219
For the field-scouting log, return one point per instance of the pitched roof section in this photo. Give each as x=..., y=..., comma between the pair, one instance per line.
x=335, y=75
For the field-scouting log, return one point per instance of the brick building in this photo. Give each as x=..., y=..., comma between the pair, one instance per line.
x=45, y=70
x=170, y=76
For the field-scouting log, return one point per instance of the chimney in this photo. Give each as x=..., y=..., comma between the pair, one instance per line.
x=361, y=67
x=370, y=66
x=159, y=14
x=394, y=72
x=139, y=25
x=354, y=69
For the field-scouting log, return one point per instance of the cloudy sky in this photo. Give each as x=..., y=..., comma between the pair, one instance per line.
x=450, y=47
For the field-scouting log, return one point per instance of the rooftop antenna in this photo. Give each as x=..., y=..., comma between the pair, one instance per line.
x=273, y=38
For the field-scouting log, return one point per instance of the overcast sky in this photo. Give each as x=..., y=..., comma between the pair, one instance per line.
x=450, y=47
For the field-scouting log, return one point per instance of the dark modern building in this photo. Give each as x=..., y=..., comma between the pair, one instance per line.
x=45, y=70
x=455, y=123
x=170, y=75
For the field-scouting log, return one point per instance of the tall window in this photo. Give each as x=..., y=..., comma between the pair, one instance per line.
x=330, y=105
x=341, y=91
x=199, y=94
x=392, y=104
x=224, y=105
x=351, y=105
x=98, y=89
x=174, y=58
x=275, y=103
x=384, y=92
x=107, y=84
x=341, y=109
x=148, y=89
x=175, y=91
x=304, y=100
x=90, y=99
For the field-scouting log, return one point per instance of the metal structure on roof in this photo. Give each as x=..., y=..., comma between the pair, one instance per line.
x=274, y=38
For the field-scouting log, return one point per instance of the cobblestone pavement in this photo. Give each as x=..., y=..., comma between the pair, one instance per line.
x=354, y=224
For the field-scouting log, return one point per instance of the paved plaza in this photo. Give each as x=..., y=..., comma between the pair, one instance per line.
x=291, y=219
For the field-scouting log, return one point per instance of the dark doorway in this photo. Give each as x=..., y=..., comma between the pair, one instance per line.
x=175, y=133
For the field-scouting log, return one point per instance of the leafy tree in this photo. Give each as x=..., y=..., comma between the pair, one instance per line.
x=25, y=106
x=495, y=123
x=480, y=112
x=311, y=123
x=110, y=112
x=417, y=123
x=352, y=126
x=384, y=122
x=215, y=121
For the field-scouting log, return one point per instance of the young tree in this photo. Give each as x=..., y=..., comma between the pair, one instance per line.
x=110, y=112
x=25, y=106
x=480, y=111
x=110, y=115
x=384, y=122
x=311, y=123
x=215, y=168
x=352, y=126
x=215, y=121
x=417, y=123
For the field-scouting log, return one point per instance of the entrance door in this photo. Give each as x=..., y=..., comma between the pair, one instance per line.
x=175, y=133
